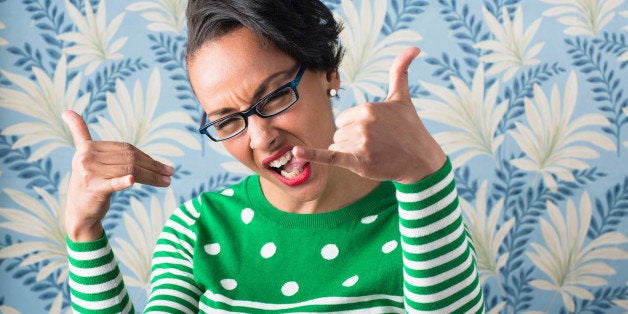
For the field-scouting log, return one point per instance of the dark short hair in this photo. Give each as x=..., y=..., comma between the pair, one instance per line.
x=304, y=29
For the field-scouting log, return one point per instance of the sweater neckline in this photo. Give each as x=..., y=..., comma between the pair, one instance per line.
x=373, y=203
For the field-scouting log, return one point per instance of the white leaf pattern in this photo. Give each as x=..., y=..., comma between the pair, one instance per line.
x=93, y=39
x=143, y=226
x=44, y=100
x=133, y=121
x=510, y=50
x=472, y=110
x=549, y=140
x=367, y=59
x=3, y=42
x=583, y=17
x=164, y=15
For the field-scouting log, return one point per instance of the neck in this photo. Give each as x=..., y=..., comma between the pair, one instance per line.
x=343, y=188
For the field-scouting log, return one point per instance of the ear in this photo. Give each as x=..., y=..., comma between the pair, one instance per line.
x=333, y=79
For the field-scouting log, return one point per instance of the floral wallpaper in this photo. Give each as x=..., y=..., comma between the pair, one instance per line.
x=528, y=98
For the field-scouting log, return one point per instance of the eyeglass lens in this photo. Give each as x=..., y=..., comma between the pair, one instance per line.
x=268, y=106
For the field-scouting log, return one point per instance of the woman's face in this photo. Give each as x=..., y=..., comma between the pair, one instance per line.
x=232, y=72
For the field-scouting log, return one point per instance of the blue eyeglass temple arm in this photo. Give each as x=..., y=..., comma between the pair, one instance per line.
x=203, y=121
x=297, y=78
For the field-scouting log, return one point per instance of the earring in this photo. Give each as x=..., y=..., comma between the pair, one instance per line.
x=333, y=93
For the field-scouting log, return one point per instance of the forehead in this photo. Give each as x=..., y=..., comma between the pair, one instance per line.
x=235, y=63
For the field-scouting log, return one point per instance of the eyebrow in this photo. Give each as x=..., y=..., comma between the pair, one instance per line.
x=256, y=95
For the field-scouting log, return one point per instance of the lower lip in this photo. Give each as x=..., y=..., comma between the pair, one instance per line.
x=302, y=177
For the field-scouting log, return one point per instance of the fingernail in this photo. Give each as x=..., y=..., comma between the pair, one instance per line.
x=295, y=151
x=169, y=169
x=165, y=180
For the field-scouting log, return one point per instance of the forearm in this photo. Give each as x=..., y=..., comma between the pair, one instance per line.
x=439, y=264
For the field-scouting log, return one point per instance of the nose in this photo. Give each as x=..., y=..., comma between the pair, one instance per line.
x=261, y=133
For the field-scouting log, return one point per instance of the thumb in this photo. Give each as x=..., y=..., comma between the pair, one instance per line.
x=398, y=77
x=78, y=128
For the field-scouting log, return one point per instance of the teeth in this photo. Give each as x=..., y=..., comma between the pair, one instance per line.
x=277, y=163
x=282, y=161
x=291, y=175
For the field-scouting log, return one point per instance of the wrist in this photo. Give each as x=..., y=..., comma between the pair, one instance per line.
x=425, y=168
x=429, y=182
x=83, y=231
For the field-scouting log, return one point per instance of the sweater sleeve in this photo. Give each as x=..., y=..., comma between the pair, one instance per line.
x=438, y=257
x=173, y=288
x=96, y=284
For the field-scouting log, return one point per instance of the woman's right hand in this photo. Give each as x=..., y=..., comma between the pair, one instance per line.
x=100, y=168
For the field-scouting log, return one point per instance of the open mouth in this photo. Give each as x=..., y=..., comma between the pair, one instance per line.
x=281, y=166
x=289, y=169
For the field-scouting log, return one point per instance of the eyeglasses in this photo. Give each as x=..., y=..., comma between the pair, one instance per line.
x=270, y=105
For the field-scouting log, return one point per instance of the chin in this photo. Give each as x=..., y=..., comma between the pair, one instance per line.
x=307, y=186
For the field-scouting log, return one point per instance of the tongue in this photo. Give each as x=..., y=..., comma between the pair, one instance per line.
x=294, y=164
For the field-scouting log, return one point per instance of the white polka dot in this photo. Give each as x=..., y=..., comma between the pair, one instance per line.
x=290, y=288
x=212, y=249
x=389, y=246
x=227, y=192
x=247, y=215
x=351, y=281
x=368, y=219
x=228, y=284
x=268, y=250
x=329, y=251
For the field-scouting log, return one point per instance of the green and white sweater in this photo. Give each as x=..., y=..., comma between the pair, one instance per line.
x=392, y=251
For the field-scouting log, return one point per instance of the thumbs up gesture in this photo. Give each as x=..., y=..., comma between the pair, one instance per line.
x=100, y=168
x=383, y=141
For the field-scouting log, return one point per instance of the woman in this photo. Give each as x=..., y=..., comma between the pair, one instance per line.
x=318, y=228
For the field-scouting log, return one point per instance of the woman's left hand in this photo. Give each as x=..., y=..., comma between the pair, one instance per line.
x=386, y=140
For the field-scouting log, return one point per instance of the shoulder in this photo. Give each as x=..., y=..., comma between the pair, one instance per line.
x=214, y=205
x=236, y=193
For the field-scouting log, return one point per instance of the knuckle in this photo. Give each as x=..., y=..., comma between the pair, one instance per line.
x=362, y=129
x=367, y=139
x=111, y=187
x=362, y=145
x=131, y=169
x=333, y=157
x=128, y=147
x=130, y=155
x=83, y=161
x=368, y=113
x=368, y=109
x=337, y=137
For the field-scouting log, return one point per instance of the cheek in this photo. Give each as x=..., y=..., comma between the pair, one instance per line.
x=313, y=120
x=240, y=150
x=321, y=115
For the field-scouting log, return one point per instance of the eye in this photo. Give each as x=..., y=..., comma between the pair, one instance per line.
x=228, y=125
x=277, y=101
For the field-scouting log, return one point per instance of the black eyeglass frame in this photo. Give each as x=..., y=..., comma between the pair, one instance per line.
x=205, y=124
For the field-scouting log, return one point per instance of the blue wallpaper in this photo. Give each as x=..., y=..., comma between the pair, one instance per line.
x=528, y=98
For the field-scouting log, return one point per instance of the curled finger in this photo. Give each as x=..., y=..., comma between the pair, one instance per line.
x=118, y=153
